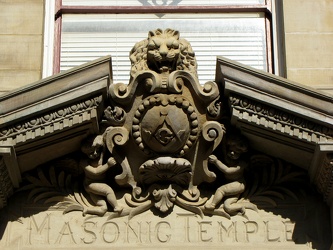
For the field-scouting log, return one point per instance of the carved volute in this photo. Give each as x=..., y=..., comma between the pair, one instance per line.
x=161, y=127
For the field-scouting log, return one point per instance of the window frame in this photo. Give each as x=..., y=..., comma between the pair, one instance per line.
x=61, y=10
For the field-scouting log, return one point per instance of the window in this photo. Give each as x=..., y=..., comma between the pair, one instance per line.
x=86, y=30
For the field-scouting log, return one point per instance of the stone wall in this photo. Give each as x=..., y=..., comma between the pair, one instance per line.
x=21, y=42
x=309, y=42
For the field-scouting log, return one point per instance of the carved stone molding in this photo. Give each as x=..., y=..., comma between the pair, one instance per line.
x=51, y=122
x=270, y=117
x=280, y=118
x=49, y=119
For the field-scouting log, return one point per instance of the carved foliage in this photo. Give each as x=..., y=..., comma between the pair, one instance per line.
x=272, y=180
x=269, y=181
x=324, y=179
x=6, y=187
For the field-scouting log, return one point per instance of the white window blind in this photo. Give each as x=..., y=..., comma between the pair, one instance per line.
x=159, y=2
x=239, y=37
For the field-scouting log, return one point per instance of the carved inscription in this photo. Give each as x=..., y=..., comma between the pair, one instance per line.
x=54, y=229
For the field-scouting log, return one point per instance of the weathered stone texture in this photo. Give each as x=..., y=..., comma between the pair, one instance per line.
x=21, y=42
x=308, y=38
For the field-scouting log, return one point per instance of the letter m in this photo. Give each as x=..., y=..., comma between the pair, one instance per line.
x=228, y=232
x=34, y=227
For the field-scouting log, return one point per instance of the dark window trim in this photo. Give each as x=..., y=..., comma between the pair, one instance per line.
x=159, y=9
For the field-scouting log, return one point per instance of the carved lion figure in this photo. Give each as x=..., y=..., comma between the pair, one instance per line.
x=162, y=51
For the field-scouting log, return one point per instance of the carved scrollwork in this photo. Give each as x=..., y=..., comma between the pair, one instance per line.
x=213, y=131
x=116, y=136
x=163, y=138
x=124, y=94
x=207, y=93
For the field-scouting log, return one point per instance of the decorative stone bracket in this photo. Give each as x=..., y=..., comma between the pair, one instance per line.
x=10, y=175
x=321, y=170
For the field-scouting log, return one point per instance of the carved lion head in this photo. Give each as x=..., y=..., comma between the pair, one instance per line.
x=162, y=51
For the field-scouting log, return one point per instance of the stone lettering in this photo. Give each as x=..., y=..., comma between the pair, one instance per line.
x=273, y=234
x=110, y=232
x=251, y=228
x=185, y=228
x=203, y=231
x=39, y=229
x=229, y=232
x=166, y=236
x=289, y=229
x=187, y=225
x=91, y=234
x=66, y=231
x=149, y=232
x=137, y=233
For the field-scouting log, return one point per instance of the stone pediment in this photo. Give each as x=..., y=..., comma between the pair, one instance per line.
x=233, y=161
x=281, y=118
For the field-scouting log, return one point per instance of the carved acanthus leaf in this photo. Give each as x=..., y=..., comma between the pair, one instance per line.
x=272, y=180
x=324, y=179
x=6, y=186
x=165, y=198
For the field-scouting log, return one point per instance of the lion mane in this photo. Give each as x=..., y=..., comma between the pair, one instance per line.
x=185, y=61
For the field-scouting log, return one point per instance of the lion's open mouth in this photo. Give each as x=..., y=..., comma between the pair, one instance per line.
x=161, y=63
x=165, y=65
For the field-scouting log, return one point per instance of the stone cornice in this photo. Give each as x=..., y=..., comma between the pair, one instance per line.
x=251, y=80
x=50, y=122
x=277, y=119
x=58, y=90
x=281, y=118
x=48, y=119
